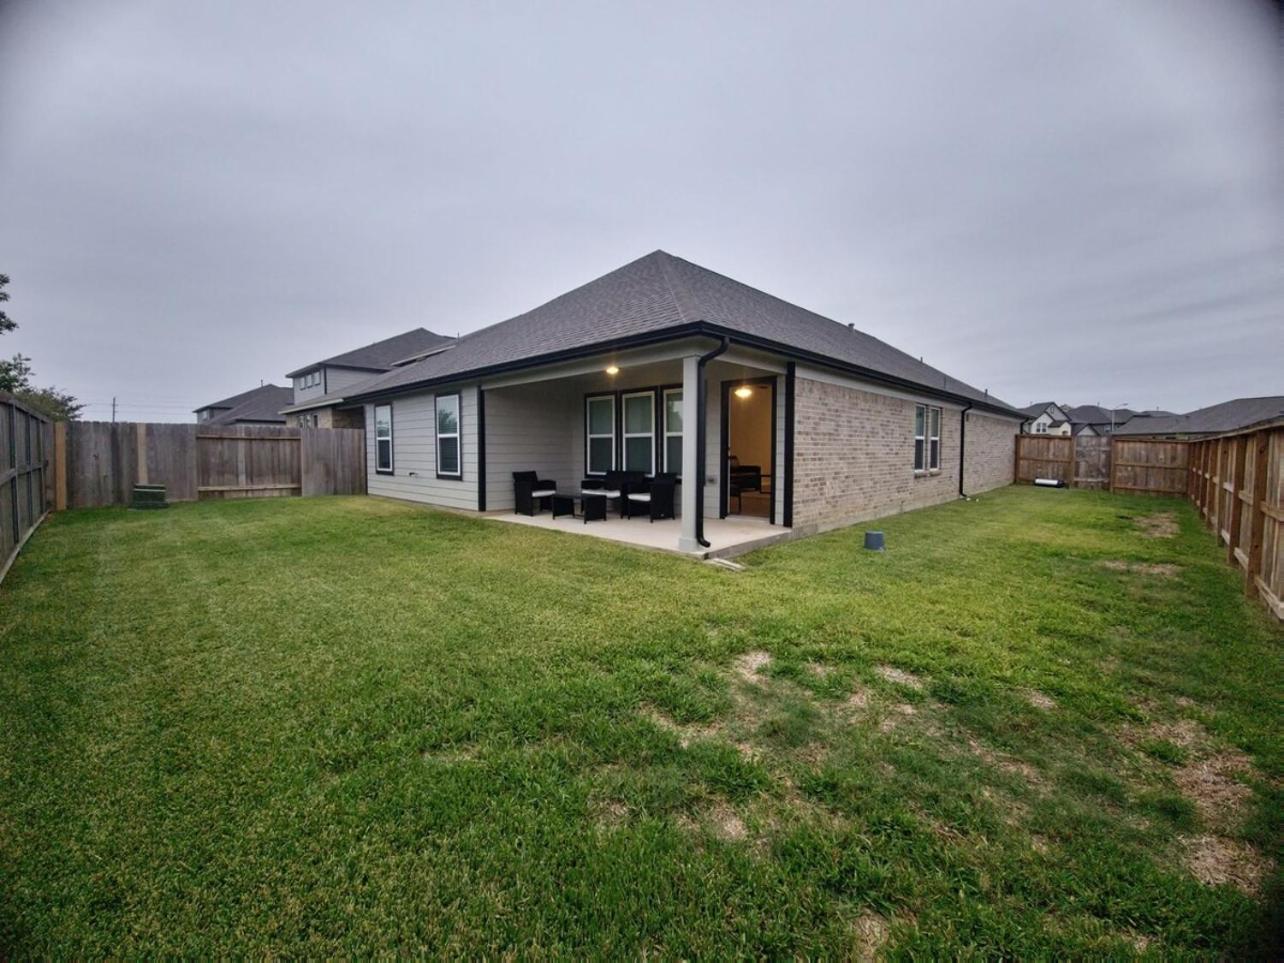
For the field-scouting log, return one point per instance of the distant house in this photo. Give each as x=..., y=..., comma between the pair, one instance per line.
x=1046, y=418
x=1095, y=420
x=320, y=388
x=1235, y=415
x=258, y=406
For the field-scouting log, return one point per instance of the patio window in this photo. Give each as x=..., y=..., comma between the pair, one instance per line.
x=639, y=432
x=383, y=439
x=673, y=431
x=599, y=414
x=927, y=438
x=448, y=459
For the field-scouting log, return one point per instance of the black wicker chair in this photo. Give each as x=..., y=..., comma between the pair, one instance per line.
x=531, y=493
x=657, y=499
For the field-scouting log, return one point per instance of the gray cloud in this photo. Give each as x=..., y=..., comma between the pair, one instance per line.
x=1082, y=201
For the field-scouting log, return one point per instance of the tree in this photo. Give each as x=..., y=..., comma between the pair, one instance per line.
x=6, y=323
x=15, y=377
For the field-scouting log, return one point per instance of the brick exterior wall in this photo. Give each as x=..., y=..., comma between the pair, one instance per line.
x=991, y=448
x=854, y=455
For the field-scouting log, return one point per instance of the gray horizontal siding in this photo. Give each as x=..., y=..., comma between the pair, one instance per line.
x=414, y=452
x=530, y=428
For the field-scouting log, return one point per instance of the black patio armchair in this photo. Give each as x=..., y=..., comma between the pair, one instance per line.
x=531, y=493
x=657, y=500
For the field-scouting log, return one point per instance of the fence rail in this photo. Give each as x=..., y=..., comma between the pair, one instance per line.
x=25, y=441
x=103, y=461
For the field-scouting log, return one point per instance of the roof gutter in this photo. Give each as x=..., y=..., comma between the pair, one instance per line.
x=702, y=430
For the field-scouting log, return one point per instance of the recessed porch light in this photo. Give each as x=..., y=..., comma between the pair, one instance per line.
x=744, y=391
x=613, y=369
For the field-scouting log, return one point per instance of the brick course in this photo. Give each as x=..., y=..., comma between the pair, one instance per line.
x=854, y=455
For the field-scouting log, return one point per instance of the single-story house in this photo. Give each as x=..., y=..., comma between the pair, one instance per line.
x=759, y=407
x=317, y=400
x=1235, y=415
x=1045, y=418
x=258, y=406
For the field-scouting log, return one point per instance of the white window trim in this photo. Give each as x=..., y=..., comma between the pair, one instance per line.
x=589, y=436
x=379, y=470
x=927, y=437
x=624, y=421
x=664, y=413
x=934, y=418
x=457, y=434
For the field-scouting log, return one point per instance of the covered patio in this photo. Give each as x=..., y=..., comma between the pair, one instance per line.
x=727, y=537
x=636, y=413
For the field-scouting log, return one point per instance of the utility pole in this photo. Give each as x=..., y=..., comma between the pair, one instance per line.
x=113, y=409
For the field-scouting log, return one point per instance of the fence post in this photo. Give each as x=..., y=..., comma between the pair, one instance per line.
x=60, y=466
x=1257, y=516
x=1239, y=454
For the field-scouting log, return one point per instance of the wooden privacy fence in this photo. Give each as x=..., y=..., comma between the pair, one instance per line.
x=25, y=440
x=1237, y=483
x=1104, y=462
x=99, y=463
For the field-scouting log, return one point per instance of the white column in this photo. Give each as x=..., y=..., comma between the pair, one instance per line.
x=691, y=415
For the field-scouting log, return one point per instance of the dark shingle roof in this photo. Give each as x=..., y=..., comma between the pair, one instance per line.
x=1037, y=409
x=261, y=404
x=659, y=292
x=382, y=355
x=1215, y=419
x=235, y=400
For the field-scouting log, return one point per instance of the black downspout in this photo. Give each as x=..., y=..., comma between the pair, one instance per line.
x=790, y=379
x=963, y=445
x=701, y=433
x=481, y=449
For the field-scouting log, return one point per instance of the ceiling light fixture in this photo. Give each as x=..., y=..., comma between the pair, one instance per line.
x=613, y=370
x=744, y=391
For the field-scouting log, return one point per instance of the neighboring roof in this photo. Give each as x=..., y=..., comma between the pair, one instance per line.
x=659, y=295
x=259, y=405
x=1091, y=415
x=1213, y=420
x=235, y=400
x=1035, y=410
x=383, y=355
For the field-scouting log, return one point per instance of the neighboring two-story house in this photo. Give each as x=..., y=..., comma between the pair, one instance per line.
x=258, y=406
x=317, y=400
x=1046, y=418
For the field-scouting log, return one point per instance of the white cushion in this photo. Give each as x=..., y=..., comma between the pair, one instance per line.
x=640, y=497
x=605, y=493
x=544, y=493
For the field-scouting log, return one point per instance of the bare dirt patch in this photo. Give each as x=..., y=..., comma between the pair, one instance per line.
x=859, y=699
x=723, y=821
x=895, y=714
x=1154, y=569
x=869, y=936
x=687, y=733
x=900, y=676
x=1211, y=785
x=1158, y=525
x=1216, y=860
x=820, y=670
x=1015, y=767
x=1039, y=699
x=750, y=665
x=610, y=814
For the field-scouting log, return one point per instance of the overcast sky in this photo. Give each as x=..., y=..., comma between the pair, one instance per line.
x=1081, y=201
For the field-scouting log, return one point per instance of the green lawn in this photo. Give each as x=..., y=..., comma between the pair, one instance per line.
x=347, y=725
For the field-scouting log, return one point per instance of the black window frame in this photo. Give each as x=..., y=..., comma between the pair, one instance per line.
x=392, y=433
x=458, y=436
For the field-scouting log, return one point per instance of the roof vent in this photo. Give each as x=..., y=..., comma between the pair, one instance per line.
x=851, y=325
